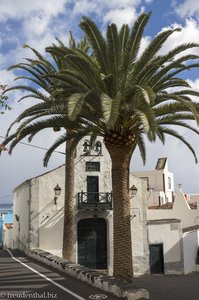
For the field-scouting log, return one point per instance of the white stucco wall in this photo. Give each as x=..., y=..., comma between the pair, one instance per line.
x=170, y=235
x=7, y=238
x=21, y=215
x=181, y=210
x=48, y=217
x=138, y=227
x=190, y=248
x=40, y=223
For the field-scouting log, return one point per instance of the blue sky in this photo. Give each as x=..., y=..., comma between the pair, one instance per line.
x=38, y=22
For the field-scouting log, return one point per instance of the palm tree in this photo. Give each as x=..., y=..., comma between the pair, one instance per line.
x=127, y=97
x=50, y=116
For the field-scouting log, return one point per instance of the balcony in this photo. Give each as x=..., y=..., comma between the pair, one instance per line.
x=96, y=201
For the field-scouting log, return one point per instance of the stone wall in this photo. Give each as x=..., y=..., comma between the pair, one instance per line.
x=106, y=283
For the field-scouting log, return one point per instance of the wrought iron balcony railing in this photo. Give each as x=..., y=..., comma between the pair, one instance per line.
x=95, y=200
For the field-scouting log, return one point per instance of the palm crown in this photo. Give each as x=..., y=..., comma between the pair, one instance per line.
x=128, y=92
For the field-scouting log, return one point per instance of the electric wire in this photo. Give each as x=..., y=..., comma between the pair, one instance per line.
x=34, y=146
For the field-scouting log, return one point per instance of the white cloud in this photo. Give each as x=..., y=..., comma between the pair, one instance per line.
x=188, y=9
x=20, y=9
x=120, y=16
x=188, y=34
x=35, y=26
x=39, y=43
x=7, y=77
x=112, y=9
x=194, y=83
x=38, y=22
x=195, y=86
x=144, y=43
x=85, y=7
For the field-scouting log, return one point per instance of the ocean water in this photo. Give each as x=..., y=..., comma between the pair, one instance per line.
x=6, y=206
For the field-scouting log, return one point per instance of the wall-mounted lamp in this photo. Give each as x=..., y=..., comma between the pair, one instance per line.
x=17, y=218
x=133, y=190
x=57, y=191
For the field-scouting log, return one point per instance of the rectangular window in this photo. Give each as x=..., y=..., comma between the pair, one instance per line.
x=92, y=166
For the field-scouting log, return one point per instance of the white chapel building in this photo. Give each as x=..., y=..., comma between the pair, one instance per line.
x=165, y=229
x=38, y=215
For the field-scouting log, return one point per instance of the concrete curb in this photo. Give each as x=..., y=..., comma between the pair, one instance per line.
x=104, y=282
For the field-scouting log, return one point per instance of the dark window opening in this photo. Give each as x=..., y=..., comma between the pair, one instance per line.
x=92, y=166
x=93, y=188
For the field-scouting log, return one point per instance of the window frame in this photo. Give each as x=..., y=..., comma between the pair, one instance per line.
x=92, y=166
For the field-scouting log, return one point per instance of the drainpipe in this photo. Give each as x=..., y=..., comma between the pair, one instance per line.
x=164, y=189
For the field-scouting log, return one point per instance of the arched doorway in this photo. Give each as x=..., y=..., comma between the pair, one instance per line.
x=92, y=243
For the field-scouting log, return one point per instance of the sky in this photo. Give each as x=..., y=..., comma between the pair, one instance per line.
x=37, y=23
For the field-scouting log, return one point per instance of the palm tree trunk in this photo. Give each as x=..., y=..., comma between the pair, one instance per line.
x=122, y=262
x=69, y=230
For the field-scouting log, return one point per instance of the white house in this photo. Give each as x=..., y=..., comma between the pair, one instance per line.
x=160, y=237
x=180, y=240
x=38, y=215
x=160, y=183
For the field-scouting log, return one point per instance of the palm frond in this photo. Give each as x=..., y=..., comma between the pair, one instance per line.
x=96, y=41
x=150, y=52
x=174, y=133
x=179, y=123
x=113, y=55
x=29, y=89
x=142, y=147
x=56, y=144
x=137, y=34
x=110, y=110
x=75, y=103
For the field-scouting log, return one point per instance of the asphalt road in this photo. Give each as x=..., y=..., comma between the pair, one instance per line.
x=24, y=278
x=170, y=287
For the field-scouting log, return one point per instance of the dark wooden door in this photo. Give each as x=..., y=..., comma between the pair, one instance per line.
x=93, y=188
x=156, y=258
x=92, y=243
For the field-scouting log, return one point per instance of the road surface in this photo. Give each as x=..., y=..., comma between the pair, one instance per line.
x=24, y=278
